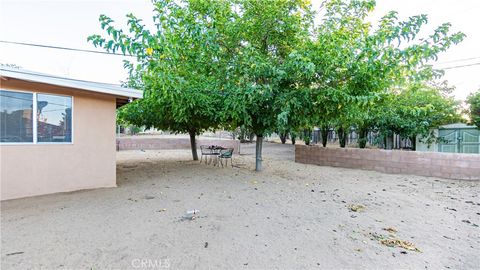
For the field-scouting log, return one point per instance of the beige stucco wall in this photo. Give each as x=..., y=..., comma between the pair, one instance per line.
x=89, y=162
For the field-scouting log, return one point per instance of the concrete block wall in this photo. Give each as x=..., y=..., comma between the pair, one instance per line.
x=445, y=165
x=149, y=143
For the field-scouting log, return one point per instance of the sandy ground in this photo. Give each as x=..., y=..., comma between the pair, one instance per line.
x=290, y=216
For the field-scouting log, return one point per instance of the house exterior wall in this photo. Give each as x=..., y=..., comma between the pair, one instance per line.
x=87, y=162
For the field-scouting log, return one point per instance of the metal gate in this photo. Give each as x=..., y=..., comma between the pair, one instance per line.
x=459, y=141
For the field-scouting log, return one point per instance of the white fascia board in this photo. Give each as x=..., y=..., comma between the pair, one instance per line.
x=105, y=88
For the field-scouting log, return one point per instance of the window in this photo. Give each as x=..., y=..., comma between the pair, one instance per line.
x=16, y=121
x=52, y=122
x=54, y=119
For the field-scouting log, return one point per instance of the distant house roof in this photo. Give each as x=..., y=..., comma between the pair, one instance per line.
x=457, y=126
x=105, y=88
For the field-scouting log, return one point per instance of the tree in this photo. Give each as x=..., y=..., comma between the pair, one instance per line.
x=334, y=54
x=295, y=102
x=179, y=65
x=268, y=33
x=324, y=129
x=356, y=63
x=473, y=100
x=415, y=110
x=263, y=66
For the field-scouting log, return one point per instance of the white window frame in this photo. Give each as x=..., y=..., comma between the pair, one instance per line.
x=35, y=120
x=36, y=124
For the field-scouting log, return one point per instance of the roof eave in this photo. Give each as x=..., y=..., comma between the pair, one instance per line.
x=71, y=83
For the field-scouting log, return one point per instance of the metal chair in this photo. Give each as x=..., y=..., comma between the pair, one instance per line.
x=226, y=154
x=206, y=151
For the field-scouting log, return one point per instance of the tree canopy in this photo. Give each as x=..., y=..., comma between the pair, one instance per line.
x=261, y=89
x=473, y=100
x=178, y=65
x=357, y=63
x=415, y=110
x=266, y=66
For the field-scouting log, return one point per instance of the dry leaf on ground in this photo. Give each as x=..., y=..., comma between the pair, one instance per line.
x=390, y=230
x=394, y=242
x=356, y=207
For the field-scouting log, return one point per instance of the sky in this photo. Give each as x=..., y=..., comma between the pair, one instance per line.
x=68, y=23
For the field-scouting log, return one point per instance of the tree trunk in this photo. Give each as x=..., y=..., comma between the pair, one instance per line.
x=258, y=153
x=389, y=142
x=283, y=137
x=362, y=137
x=250, y=137
x=324, y=136
x=193, y=144
x=342, y=138
x=307, y=136
x=242, y=135
x=293, y=137
x=413, y=140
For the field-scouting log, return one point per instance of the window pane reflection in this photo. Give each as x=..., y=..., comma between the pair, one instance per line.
x=16, y=124
x=54, y=120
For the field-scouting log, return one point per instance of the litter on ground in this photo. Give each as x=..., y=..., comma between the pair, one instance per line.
x=192, y=214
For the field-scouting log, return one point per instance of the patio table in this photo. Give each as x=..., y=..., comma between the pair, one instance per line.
x=213, y=151
x=216, y=150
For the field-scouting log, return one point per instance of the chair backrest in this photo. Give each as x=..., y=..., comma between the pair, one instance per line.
x=226, y=153
x=205, y=149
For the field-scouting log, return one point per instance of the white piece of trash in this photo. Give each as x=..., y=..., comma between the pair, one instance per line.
x=191, y=214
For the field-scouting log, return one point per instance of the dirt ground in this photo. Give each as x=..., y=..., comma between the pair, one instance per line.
x=290, y=216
